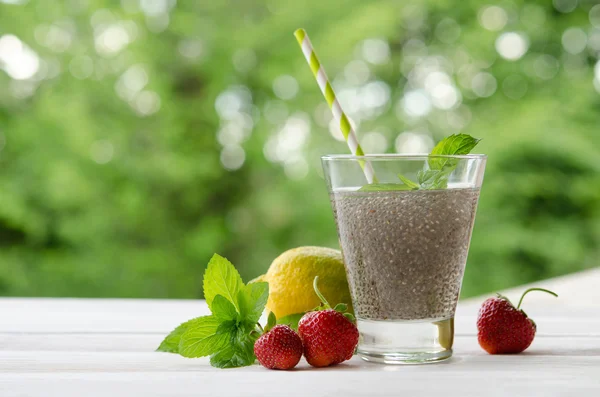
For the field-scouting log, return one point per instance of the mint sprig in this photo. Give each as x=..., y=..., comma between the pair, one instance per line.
x=229, y=333
x=439, y=168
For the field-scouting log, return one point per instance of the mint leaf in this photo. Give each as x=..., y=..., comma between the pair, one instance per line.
x=457, y=144
x=252, y=299
x=171, y=343
x=436, y=177
x=224, y=310
x=238, y=352
x=383, y=187
x=410, y=184
x=203, y=338
x=221, y=278
x=291, y=320
x=271, y=322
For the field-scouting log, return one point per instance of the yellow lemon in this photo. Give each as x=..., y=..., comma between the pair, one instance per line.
x=291, y=277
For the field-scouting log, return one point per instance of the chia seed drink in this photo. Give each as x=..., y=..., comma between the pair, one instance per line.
x=405, y=251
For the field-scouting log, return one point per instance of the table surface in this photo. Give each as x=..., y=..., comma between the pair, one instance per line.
x=105, y=347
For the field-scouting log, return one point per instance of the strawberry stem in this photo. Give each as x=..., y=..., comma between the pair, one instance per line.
x=534, y=289
x=319, y=294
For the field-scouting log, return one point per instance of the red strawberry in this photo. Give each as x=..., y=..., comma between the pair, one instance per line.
x=328, y=337
x=279, y=348
x=504, y=329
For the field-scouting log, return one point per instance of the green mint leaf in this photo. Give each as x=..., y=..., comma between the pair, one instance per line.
x=252, y=299
x=457, y=144
x=203, y=338
x=271, y=321
x=434, y=179
x=426, y=177
x=291, y=320
x=224, y=310
x=238, y=352
x=383, y=187
x=171, y=343
x=410, y=184
x=221, y=278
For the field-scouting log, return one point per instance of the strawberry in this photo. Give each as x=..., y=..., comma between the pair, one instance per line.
x=504, y=329
x=279, y=348
x=329, y=336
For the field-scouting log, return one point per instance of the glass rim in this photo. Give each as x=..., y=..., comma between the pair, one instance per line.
x=394, y=156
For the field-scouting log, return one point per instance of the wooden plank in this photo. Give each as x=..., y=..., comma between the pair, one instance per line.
x=132, y=343
x=504, y=376
x=53, y=362
x=148, y=316
x=78, y=342
x=96, y=315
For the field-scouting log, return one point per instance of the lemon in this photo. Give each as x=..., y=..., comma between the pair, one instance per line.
x=291, y=277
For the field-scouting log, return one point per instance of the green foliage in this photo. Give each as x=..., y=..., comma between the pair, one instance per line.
x=221, y=279
x=171, y=343
x=206, y=337
x=229, y=333
x=103, y=196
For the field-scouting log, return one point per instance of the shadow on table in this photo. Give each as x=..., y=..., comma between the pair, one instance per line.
x=357, y=363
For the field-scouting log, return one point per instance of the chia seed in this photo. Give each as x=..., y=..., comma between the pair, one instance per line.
x=405, y=251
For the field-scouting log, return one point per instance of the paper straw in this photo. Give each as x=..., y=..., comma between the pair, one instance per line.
x=338, y=114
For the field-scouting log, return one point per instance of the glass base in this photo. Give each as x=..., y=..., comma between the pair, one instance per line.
x=405, y=358
x=406, y=341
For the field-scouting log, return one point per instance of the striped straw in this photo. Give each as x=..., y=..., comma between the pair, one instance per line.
x=334, y=105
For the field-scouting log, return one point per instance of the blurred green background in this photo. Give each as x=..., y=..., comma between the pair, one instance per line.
x=138, y=137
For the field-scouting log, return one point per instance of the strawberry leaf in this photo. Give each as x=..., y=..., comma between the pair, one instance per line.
x=291, y=320
x=271, y=321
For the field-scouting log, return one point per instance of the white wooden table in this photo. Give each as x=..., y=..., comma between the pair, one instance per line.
x=104, y=347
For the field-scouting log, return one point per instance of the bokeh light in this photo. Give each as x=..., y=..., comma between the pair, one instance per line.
x=17, y=59
x=574, y=40
x=413, y=143
x=493, y=18
x=285, y=87
x=512, y=45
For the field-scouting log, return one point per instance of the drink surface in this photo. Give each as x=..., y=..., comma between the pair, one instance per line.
x=405, y=251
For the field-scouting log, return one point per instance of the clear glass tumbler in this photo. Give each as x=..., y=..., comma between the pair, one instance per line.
x=405, y=249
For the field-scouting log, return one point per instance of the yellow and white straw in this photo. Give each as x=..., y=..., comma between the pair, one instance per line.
x=338, y=114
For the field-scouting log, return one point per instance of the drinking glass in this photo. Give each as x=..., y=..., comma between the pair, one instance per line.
x=405, y=249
